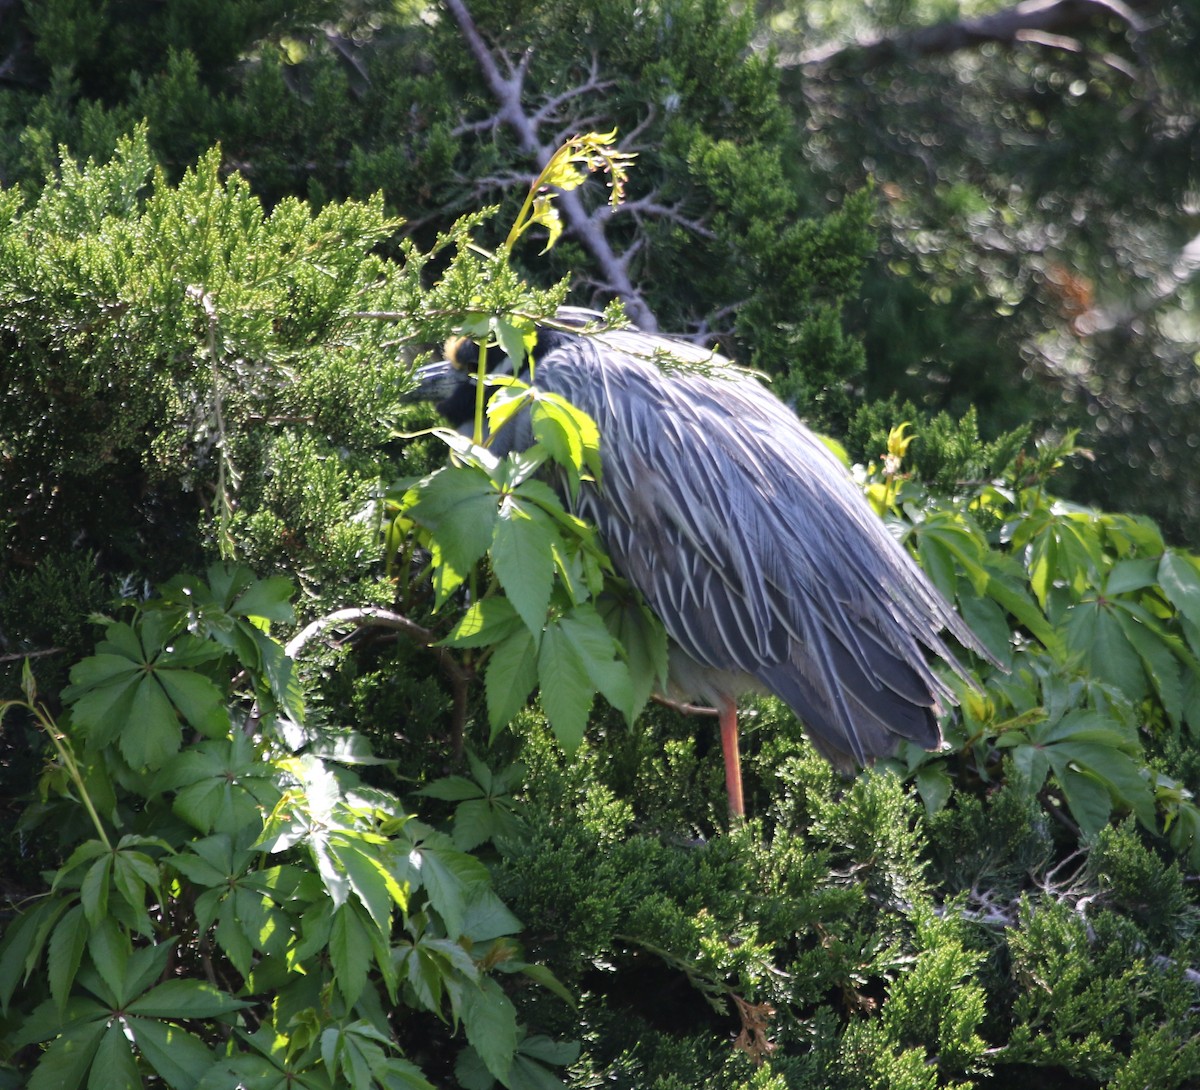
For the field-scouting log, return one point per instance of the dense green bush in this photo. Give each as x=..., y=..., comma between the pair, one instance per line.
x=232, y=869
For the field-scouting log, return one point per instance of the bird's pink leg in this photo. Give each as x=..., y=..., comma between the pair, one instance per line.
x=733, y=767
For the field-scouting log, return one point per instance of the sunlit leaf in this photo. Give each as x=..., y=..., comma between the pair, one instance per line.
x=1180, y=578
x=523, y=560
x=349, y=952
x=566, y=689
x=512, y=673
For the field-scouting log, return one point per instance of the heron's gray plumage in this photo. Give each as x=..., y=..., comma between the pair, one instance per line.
x=752, y=544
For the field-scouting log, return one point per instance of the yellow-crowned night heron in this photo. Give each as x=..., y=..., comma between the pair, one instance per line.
x=746, y=537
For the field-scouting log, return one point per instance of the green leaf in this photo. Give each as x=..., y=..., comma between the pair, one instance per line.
x=221, y=785
x=350, y=947
x=115, y=1067
x=512, y=672
x=644, y=640
x=1087, y=796
x=540, y=974
x=475, y=822
x=93, y=893
x=180, y=1059
x=268, y=598
x=523, y=559
x=452, y=789
x=234, y=924
x=1095, y=634
x=151, y=735
x=597, y=653
x=566, y=689
x=103, y=711
x=935, y=787
x=22, y=943
x=65, y=1063
x=459, y=505
x=986, y=619
x=199, y=701
x=1158, y=661
x=571, y=434
x=185, y=998
x=486, y=621
x=448, y=876
x=516, y=336
x=1014, y=599
x=1179, y=576
x=1127, y=576
x=485, y=916
x=490, y=1022
x=65, y=951
x=367, y=871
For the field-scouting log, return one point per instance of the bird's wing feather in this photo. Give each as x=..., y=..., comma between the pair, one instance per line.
x=752, y=545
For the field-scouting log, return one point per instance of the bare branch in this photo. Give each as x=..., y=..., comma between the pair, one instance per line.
x=648, y=206
x=1050, y=19
x=17, y=656
x=507, y=91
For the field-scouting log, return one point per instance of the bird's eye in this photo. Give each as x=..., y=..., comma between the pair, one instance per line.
x=461, y=353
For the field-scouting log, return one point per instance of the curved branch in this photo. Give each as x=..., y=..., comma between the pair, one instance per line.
x=1044, y=21
x=459, y=676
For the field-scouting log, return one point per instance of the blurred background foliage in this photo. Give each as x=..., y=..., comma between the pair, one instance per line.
x=976, y=219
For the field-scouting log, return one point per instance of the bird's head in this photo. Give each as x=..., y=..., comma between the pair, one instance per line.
x=449, y=383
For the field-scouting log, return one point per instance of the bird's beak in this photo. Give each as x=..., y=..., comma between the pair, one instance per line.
x=436, y=382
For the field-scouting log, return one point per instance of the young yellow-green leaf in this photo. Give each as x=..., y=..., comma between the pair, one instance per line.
x=545, y=214
x=507, y=403
x=485, y=622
